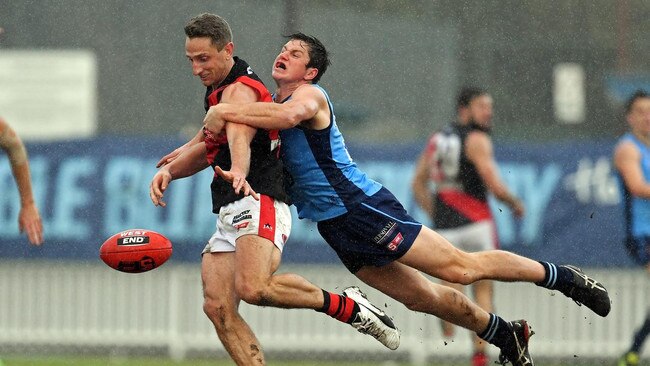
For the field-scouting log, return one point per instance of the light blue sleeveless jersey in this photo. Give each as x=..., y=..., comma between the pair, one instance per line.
x=324, y=181
x=637, y=210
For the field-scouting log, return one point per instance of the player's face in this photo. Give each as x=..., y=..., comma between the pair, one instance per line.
x=291, y=63
x=480, y=110
x=639, y=116
x=208, y=63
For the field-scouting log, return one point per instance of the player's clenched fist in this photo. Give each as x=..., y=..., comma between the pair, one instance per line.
x=158, y=186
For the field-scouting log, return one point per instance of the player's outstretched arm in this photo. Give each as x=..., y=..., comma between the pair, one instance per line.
x=627, y=160
x=29, y=220
x=191, y=161
x=478, y=149
x=305, y=103
x=174, y=154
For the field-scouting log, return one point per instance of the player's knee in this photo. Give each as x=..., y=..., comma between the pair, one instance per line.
x=461, y=276
x=465, y=269
x=416, y=305
x=252, y=293
x=219, y=312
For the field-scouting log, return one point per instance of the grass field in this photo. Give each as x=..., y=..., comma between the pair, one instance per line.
x=163, y=362
x=202, y=362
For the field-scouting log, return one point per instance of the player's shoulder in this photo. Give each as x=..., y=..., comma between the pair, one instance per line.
x=240, y=91
x=310, y=89
x=625, y=147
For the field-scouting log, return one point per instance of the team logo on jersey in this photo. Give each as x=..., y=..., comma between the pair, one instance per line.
x=268, y=226
x=397, y=240
x=249, y=70
x=385, y=232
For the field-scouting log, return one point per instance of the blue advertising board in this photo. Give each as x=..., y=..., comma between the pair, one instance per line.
x=88, y=190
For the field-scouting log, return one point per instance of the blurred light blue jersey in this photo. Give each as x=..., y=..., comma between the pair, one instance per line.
x=323, y=180
x=637, y=210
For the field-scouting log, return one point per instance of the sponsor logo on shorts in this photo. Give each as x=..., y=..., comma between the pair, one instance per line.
x=243, y=225
x=385, y=232
x=244, y=215
x=397, y=240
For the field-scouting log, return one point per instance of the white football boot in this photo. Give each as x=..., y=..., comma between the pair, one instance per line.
x=370, y=320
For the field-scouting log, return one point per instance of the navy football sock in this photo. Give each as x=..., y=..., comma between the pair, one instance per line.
x=556, y=277
x=498, y=332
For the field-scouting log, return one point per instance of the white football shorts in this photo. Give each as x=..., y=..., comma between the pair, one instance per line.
x=474, y=237
x=267, y=218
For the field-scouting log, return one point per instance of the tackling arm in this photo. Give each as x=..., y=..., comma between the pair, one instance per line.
x=305, y=103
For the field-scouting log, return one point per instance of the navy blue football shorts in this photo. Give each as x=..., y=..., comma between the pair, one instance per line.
x=639, y=249
x=376, y=232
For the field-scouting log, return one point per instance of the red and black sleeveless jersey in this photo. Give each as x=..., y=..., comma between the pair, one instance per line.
x=266, y=173
x=461, y=197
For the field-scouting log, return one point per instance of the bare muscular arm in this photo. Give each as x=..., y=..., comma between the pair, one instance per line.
x=29, y=219
x=307, y=106
x=627, y=160
x=420, y=184
x=478, y=148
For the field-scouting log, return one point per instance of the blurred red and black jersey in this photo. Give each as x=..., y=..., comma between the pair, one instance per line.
x=461, y=196
x=266, y=173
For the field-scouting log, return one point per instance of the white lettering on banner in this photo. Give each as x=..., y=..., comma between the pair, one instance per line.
x=66, y=213
x=535, y=187
x=72, y=205
x=9, y=203
x=594, y=182
x=188, y=214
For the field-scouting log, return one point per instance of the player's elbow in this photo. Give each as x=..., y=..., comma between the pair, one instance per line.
x=639, y=190
x=292, y=118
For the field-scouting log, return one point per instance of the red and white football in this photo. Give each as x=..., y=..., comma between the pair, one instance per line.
x=136, y=250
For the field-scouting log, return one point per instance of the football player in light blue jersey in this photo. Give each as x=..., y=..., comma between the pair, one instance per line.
x=370, y=231
x=632, y=162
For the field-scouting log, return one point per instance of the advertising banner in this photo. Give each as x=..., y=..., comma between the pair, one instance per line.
x=87, y=190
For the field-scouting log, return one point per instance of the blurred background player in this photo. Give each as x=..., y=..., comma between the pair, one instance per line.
x=632, y=163
x=460, y=162
x=241, y=258
x=29, y=220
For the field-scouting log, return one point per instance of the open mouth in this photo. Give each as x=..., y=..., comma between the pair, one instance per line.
x=280, y=65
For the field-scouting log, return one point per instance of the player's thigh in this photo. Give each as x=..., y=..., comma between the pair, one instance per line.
x=257, y=259
x=434, y=255
x=399, y=282
x=218, y=278
x=473, y=237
